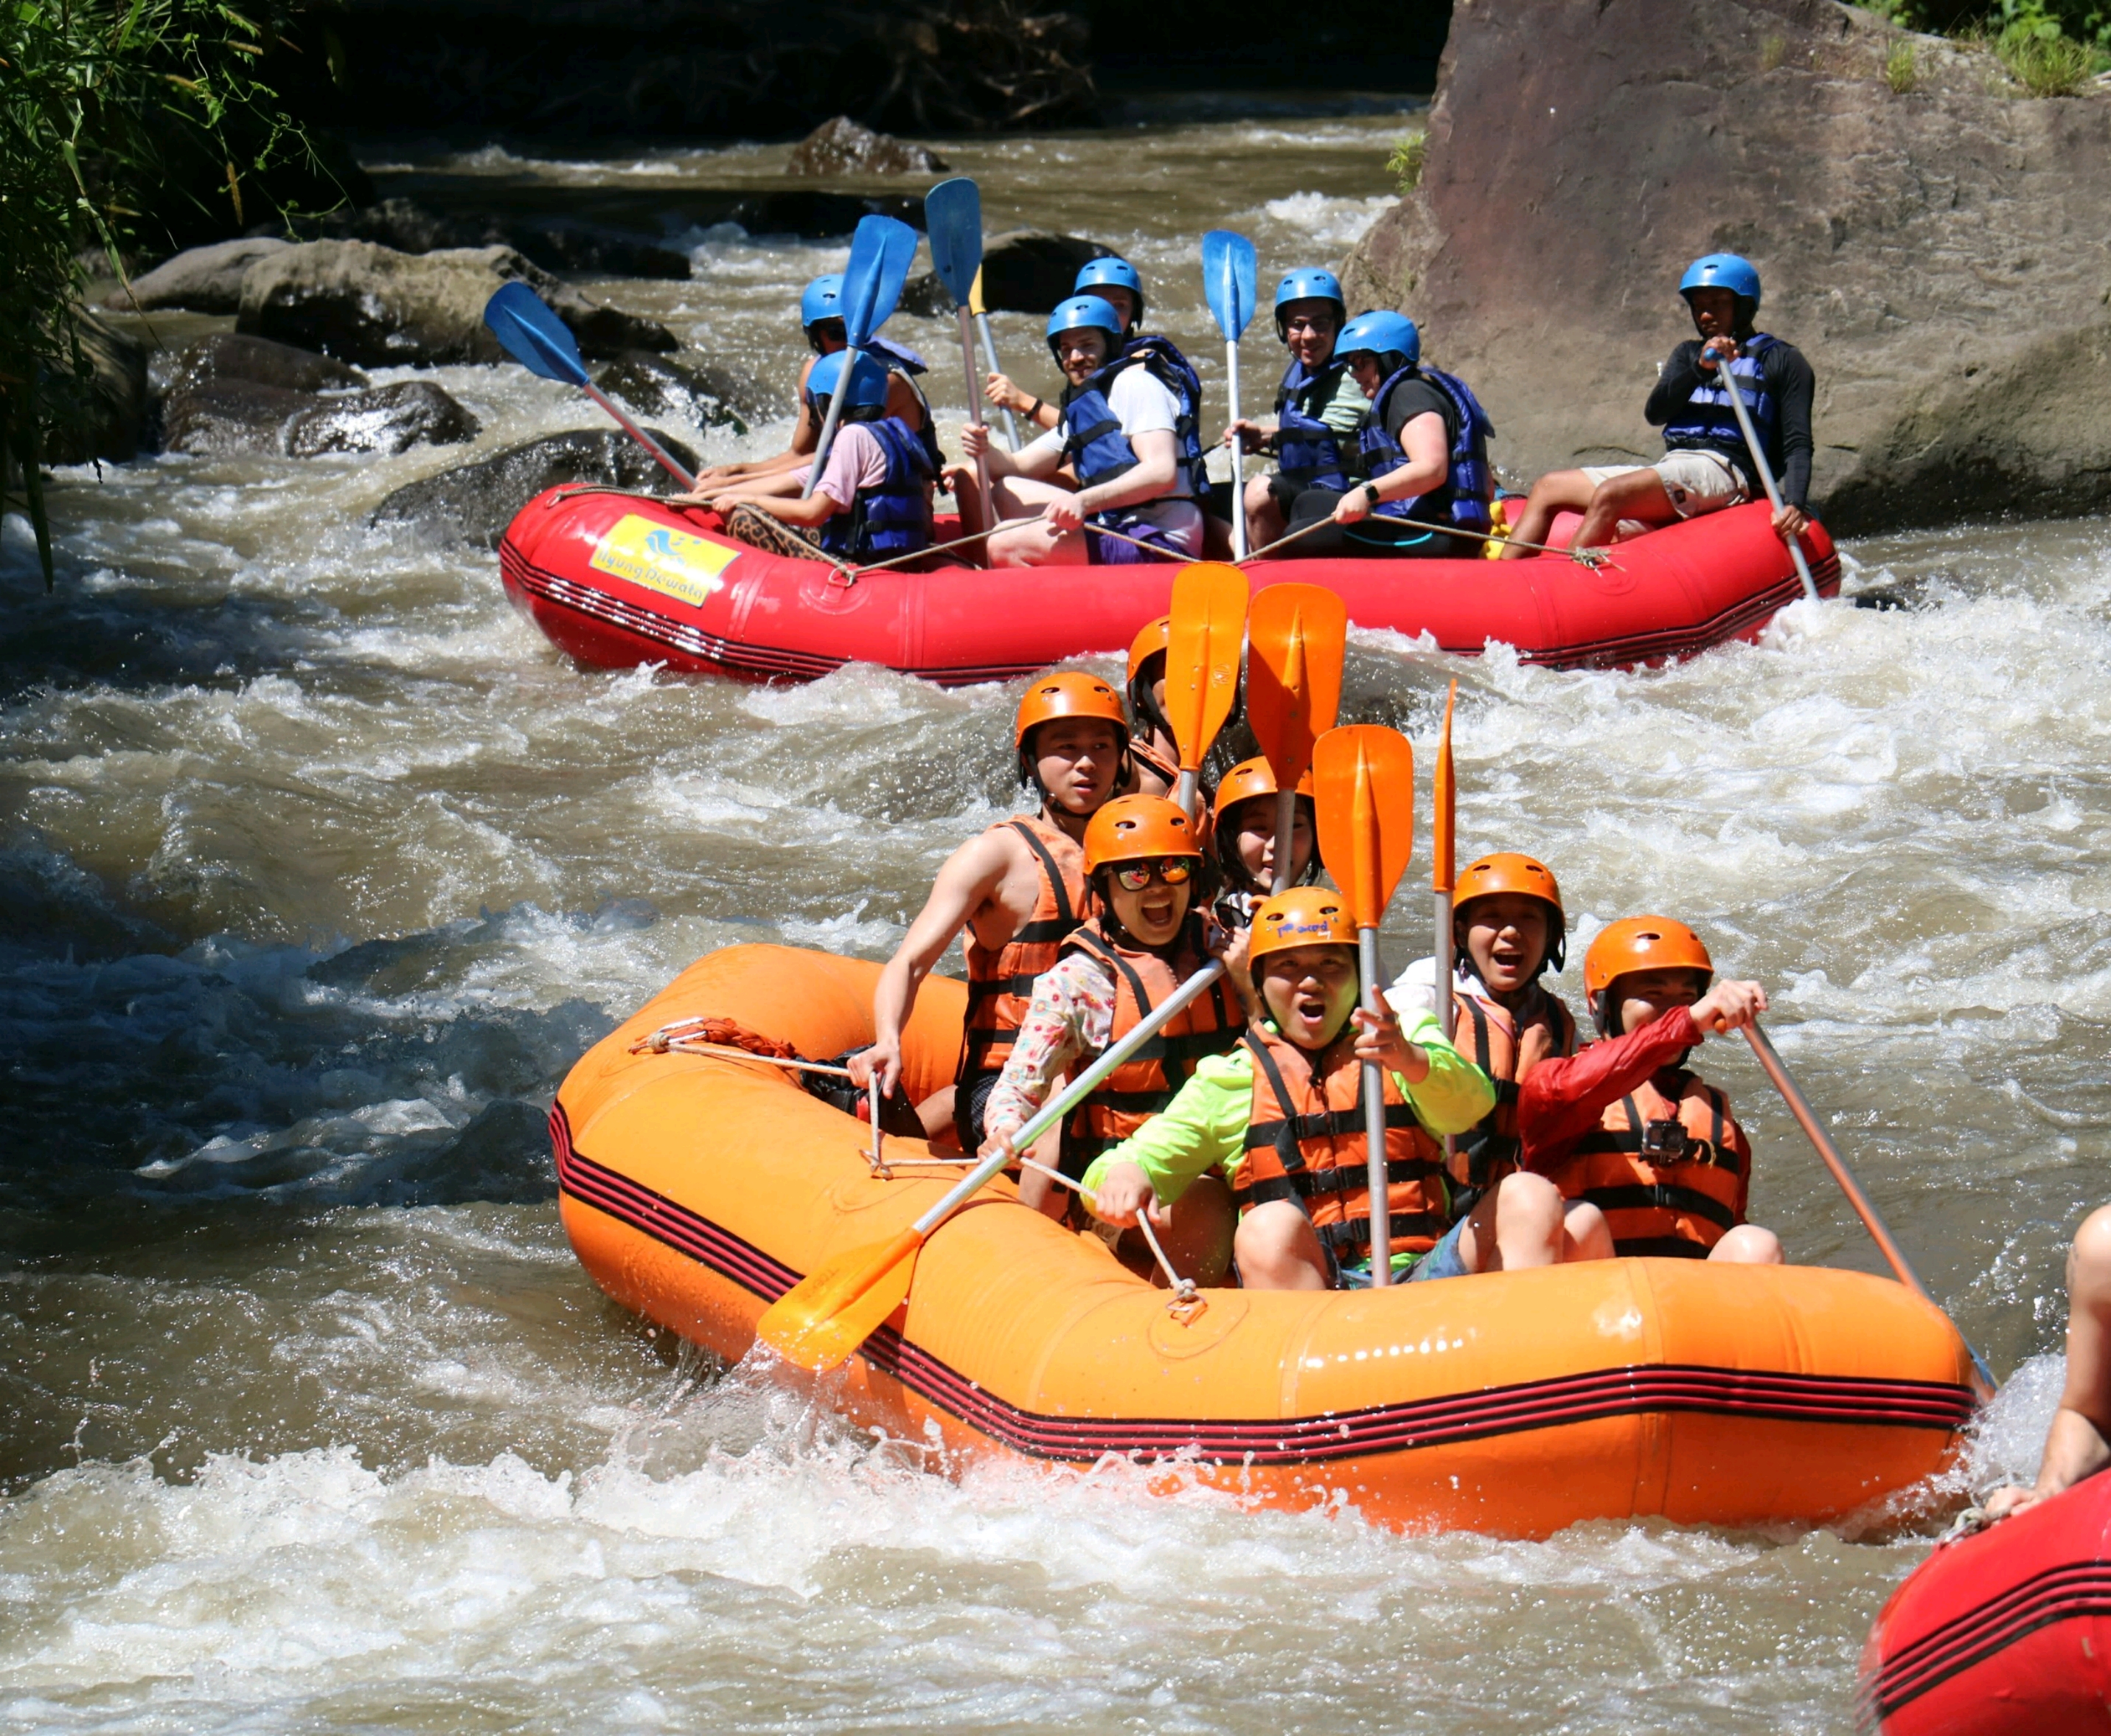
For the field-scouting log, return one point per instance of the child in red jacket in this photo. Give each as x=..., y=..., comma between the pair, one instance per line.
x=1625, y=1126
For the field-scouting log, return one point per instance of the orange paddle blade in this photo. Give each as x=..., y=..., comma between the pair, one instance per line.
x=1445, y=804
x=1363, y=775
x=820, y=1321
x=1296, y=637
x=1202, y=652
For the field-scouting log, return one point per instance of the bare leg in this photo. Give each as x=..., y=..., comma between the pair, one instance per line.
x=1278, y=1249
x=1517, y=1224
x=1749, y=1245
x=1031, y=544
x=1198, y=1239
x=1636, y=494
x=1585, y=1234
x=2078, y=1444
x=936, y=1113
x=967, y=493
x=1264, y=522
x=1558, y=491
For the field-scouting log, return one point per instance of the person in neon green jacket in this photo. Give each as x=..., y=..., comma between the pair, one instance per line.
x=1281, y=1116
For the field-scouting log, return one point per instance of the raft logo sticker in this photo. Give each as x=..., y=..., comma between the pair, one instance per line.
x=672, y=562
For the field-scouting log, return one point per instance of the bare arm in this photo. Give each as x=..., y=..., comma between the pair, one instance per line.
x=968, y=880
x=1427, y=446
x=1157, y=468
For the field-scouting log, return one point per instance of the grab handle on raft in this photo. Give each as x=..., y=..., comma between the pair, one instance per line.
x=1813, y=1129
x=820, y=1321
x=1736, y=397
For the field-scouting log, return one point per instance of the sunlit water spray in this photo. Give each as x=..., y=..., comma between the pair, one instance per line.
x=322, y=869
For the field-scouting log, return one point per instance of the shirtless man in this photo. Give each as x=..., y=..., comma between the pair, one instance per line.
x=1019, y=890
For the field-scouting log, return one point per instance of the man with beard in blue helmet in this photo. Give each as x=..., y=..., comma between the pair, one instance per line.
x=1706, y=465
x=873, y=500
x=1318, y=405
x=820, y=313
x=1419, y=465
x=1117, y=282
x=1127, y=433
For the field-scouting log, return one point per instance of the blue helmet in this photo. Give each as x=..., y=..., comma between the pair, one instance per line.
x=1309, y=283
x=1110, y=271
x=1724, y=271
x=868, y=380
x=823, y=300
x=1382, y=334
x=1081, y=311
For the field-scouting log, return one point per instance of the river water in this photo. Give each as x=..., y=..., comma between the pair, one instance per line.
x=321, y=868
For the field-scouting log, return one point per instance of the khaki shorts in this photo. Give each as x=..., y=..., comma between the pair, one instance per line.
x=1696, y=481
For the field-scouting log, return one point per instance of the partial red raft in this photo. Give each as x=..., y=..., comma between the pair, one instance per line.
x=617, y=580
x=2002, y=1633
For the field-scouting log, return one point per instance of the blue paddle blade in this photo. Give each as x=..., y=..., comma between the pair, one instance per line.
x=1230, y=269
x=532, y=335
x=953, y=219
x=881, y=251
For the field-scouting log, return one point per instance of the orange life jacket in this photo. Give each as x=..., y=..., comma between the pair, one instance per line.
x=1001, y=981
x=1488, y=1034
x=1304, y=1141
x=1671, y=1174
x=1148, y=1080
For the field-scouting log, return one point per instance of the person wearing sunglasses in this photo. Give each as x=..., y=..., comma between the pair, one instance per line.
x=1146, y=938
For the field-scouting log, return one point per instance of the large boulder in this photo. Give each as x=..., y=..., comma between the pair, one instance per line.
x=694, y=392
x=555, y=242
x=841, y=147
x=1931, y=237
x=1024, y=271
x=229, y=355
x=105, y=414
x=474, y=502
x=219, y=417
x=206, y=279
x=368, y=304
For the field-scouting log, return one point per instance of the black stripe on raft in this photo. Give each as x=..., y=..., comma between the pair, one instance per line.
x=1464, y=1416
x=1967, y=1640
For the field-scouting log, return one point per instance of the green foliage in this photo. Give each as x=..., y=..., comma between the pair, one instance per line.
x=108, y=109
x=1405, y=164
x=1900, y=71
x=2039, y=54
x=2087, y=22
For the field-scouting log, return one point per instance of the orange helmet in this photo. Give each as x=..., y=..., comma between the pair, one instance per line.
x=1132, y=827
x=1508, y=871
x=1638, y=943
x=1068, y=692
x=1304, y=917
x=1154, y=641
x=1242, y=783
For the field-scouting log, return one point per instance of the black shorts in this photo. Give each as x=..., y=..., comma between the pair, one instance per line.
x=971, y=1098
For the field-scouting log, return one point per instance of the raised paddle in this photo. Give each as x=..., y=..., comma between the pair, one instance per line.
x=953, y=220
x=1363, y=775
x=543, y=345
x=1229, y=268
x=1203, y=644
x=881, y=251
x=1444, y=807
x=989, y=350
x=1799, y=1106
x=820, y=1321
x=1736, y=394
x=1296, y=638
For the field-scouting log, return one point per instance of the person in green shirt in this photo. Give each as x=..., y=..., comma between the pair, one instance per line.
x=1281, y=1116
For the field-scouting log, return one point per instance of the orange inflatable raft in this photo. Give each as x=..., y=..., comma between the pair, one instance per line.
x=696, y=1189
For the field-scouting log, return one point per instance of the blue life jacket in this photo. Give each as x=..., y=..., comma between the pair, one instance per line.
x=1708, y=421
x=1093, y=443
x=895, y=518
x=1308, y=451
x=898, y=359
x=1464, y=496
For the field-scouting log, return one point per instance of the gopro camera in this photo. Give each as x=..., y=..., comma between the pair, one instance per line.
x=1664, y=1139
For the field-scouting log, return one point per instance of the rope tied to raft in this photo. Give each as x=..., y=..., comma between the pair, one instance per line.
x=1593, y=558
x=703, y=1029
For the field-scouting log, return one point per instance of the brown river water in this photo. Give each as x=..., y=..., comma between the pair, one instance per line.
x=321, y=868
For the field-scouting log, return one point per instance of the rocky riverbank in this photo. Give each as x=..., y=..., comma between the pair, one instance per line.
x=1930, y=235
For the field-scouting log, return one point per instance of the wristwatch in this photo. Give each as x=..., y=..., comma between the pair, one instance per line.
x=1371, y=495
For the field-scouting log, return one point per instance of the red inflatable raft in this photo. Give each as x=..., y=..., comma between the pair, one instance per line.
x=2003, y=1633
x=619, y=579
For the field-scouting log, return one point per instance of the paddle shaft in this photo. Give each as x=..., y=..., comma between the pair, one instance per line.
x=1239, y=456
x=660, y=452
x=1285, y=826
x=1813, y=1129
x=974, y=399
x=1073, y=1094
x=827, y=438
x=1374, y=1127
x=1736, y=397
x=989, y=353
x=1448, y=1009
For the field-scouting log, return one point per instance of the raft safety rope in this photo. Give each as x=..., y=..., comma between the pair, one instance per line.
x=1593, y=558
